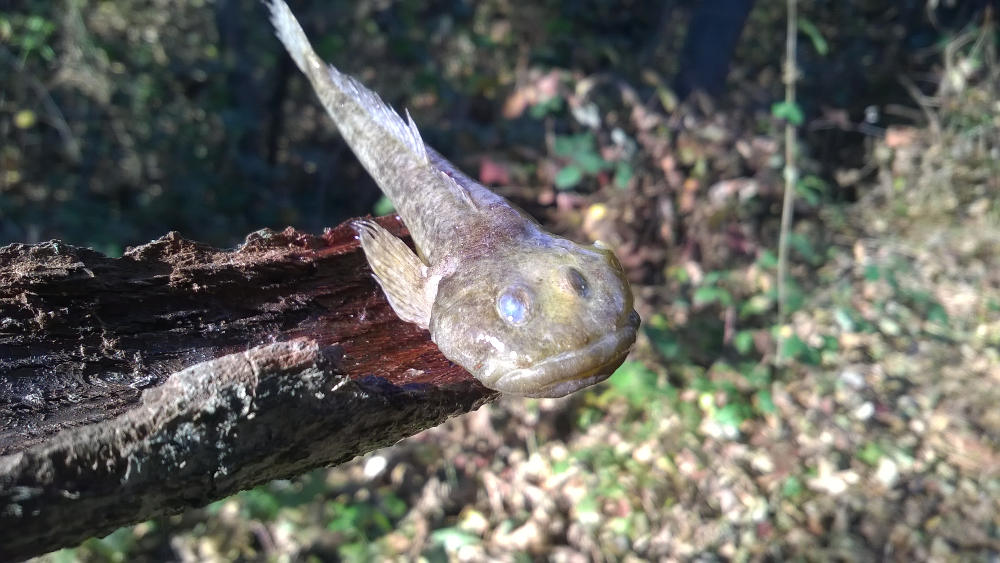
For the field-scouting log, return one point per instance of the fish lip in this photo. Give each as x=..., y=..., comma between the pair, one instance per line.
x=547, y=378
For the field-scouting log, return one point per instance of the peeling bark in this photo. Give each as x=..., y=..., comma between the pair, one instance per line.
x=260, y=363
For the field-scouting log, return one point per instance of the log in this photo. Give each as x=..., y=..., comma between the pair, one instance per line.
x=179, y=374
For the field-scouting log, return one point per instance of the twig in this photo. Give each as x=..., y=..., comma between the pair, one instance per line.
x=791, y=171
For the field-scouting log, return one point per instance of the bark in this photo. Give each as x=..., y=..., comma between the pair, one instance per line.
x=180, y=374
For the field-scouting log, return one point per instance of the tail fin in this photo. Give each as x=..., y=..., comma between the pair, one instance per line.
x=333, y=87
x=290, y=32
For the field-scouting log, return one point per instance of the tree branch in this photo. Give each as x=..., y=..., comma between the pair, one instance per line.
x=331, y=374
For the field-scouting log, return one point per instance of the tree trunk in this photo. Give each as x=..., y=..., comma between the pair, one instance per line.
x=260, y=363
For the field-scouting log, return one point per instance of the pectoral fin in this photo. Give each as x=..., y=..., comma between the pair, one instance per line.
x=401, y=274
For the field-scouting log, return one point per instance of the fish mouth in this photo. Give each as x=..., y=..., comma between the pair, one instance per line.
x=566, y=372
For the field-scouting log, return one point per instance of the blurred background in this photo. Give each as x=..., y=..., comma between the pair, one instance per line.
x=655, y=126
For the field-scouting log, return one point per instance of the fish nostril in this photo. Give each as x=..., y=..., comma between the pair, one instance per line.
x=578, y=282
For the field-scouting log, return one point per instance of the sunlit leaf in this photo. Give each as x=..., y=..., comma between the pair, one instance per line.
x=818, y=41
x=789, y=111
x=871, y=453
x=708, y=295
x=756, y=305
x=383, y=207
x=637, y=383
x=731, y=415
x=25, y=119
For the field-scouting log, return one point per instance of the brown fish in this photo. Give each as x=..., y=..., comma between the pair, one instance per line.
x=526, y=312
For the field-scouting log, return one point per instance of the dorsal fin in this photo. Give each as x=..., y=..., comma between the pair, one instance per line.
x=405, y=131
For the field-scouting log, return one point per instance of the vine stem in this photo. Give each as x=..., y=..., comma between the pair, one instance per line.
x=791, y=172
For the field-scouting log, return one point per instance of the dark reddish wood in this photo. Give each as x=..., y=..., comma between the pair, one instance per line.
x=332, y=373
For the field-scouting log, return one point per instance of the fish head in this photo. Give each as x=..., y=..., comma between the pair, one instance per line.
x=539, y=320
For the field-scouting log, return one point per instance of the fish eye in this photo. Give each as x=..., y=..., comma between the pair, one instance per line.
x=578, y=282
x=514, y=305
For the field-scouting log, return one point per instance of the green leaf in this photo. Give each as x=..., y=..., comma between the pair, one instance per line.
x=830, y=344
x=807, y=195
x=569, y=177
x=119, y=540
x=792, y=487
x=765, y=402
x=789, y=111
x=804, y=247
x=811, y=188
x=767, y=259
x=37, y=23
x=354, y=552
x=757, y=375
x=637, y=383
x=708, y=295
x=732, y=415
x=712, y=277
x=394, y=506
x=794, y=296
x=261, y=504
x=819, y=42
x=572, y=145
x=871, y=453
x=623, y=173
x=381, y=521
x=591, y=162
x=872, y=273
x=346, y=519
x=756, y=305
x=383, y=207
x=937, y=314
x=743, y=341
x=619, y=525
x=793, y=347
x=658, y=320
x=681, y=274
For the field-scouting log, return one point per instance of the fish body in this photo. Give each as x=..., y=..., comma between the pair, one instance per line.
x=525, y=311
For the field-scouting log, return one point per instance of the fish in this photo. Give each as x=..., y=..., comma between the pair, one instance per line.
x=526, y=312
